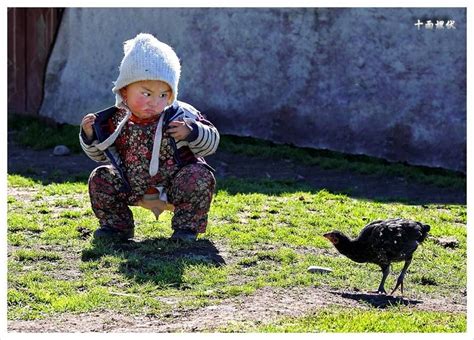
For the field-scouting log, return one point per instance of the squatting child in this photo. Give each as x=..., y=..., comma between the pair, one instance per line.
x=154, y=144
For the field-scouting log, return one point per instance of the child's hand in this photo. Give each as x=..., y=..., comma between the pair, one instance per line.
x=87, y=123
x=178, y=130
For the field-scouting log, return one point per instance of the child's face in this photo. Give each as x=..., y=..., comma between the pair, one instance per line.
x=146, y=98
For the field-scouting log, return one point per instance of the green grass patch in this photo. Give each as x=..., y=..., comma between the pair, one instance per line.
x=35, y=255
x=37, y=134
x=19, y=221
x=64, y=189
x=354, y=320
x=21, y=181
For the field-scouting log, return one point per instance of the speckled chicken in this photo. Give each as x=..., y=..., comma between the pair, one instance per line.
x=383, y=242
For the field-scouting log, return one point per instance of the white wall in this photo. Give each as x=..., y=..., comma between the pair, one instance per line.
x=361, y=81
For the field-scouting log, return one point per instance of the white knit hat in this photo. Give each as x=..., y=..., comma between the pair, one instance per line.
x=147, y=58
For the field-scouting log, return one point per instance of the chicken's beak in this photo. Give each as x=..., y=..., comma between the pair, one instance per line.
x=331, y=238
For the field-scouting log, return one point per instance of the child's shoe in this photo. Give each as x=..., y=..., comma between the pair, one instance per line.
x=106, y=232
x=184, y=235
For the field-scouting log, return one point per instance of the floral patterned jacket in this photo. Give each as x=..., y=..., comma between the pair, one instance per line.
x=202, y=141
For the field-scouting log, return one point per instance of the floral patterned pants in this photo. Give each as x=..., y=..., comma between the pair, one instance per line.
x=190, y=191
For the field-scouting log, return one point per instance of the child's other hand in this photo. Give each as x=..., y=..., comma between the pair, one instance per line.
x=178, y=130
x=87, y=123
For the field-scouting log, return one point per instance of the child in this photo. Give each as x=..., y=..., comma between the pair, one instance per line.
x=154, y=144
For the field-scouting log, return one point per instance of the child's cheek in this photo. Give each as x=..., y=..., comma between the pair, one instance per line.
x=141, y=103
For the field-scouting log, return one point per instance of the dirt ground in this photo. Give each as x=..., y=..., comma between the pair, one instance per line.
x=262, y=307
x=267, y=303
x=43, y=163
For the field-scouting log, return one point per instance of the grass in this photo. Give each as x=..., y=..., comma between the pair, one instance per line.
x=341, y=320
x=261, y=234
x=37, y=134
x=333, y=160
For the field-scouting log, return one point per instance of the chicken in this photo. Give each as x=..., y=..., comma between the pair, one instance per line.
x=383, y=242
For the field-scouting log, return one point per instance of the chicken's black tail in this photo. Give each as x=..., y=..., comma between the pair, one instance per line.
x=425, y=228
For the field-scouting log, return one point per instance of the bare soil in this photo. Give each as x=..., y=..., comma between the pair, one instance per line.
x=43, y=164
x=264, y=305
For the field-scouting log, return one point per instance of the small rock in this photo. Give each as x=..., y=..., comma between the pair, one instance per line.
x=447, y=242
x=61, y=150
x=316, y=269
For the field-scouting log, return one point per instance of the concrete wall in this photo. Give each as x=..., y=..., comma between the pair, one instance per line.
x=361, y=81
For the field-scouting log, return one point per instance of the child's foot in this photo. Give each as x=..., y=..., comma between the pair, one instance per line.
x=112, y=233
x=184, y=235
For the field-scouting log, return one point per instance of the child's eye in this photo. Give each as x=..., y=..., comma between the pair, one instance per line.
x=163, y=95
x=146, y=94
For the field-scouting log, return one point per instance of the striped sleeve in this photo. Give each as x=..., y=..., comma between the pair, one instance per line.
x=91, y=150
x=206, y=139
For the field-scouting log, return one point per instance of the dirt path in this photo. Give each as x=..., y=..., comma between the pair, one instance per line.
x=43, y=164
x=264, y=306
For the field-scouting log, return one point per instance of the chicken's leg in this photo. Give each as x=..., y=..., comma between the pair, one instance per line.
x=385, y=271
x=402, y=275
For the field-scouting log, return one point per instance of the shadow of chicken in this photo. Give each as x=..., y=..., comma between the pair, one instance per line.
x=383, y=242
